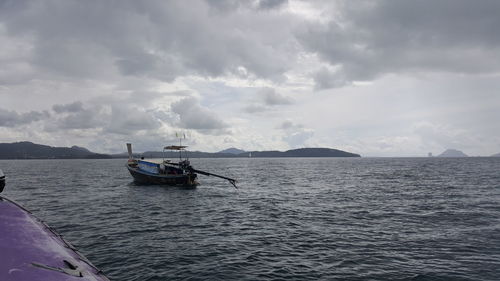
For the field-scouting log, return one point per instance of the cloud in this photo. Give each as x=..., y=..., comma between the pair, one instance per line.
x=439, y=136
x=194, y=116
x=289, y=125
x=272, y=4
x=296, y=135
x=266, y=99
x=76, y=72
x=12, y=118
x=254, y=108
x=72, y=107
x=298, y=139
x=128, y=121
x=74, y=116
x=121, y=116
x=271, y=97
x=155, y=42
x=226, y=6
x=327, y=79
x=366, y=40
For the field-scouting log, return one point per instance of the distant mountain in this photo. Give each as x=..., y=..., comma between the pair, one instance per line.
x=495, y=155
x=301, y=152
x=452, y=153
x=29, y=150
x=232, y=150
x=83, y=149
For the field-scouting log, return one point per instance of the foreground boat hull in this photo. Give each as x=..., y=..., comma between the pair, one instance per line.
x=31, y=250
x=143, y=177
x=2, y=181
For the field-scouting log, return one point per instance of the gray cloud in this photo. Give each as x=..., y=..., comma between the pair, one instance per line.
x=266, y=99
x=128, y=121
x=296, y=135
x=442, y=137
x=271, y=4
x=72, y=107
x=364, y=39
x=76, y=116
x=194, y=116
x=117, y=117
x=226, y=6
x=326, y=79
x=372, y=38
x=84, y=119
x=137, y=66
x=289, y=125
x=156, y=40
x=271, y=97
x=428, y=61
x=254, y=108
x=298, y=139
x=12, y=118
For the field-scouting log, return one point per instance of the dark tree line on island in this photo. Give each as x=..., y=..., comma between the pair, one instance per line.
x=29, y=150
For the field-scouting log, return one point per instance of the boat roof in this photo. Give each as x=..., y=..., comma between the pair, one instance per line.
x=175, y=147
x=150, y=161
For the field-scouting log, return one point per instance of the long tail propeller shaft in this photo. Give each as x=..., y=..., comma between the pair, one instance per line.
x=230, y=180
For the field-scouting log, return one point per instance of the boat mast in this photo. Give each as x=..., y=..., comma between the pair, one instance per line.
x=129, y=150
x=180, y=150
x=180, y=145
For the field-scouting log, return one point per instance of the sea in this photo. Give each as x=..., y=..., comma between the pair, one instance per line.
x=289, y=219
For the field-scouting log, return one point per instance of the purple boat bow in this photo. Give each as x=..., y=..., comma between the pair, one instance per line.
x=31, y=250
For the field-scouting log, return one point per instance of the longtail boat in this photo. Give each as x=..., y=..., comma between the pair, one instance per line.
x=166, y=171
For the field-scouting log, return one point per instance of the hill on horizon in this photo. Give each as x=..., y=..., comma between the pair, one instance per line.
x=29, y=150
x=452, y=153
x=232, y=150
x=303, y=152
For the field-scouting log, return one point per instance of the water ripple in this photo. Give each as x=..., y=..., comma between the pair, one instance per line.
x=291, y=219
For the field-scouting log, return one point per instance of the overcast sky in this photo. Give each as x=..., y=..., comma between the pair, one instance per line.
x=378, y=78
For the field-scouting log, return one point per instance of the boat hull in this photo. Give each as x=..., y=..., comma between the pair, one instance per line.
x=2, y=181
x=143, y=177
x=31, y=250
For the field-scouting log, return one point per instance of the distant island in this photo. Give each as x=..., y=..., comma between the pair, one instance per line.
x=29, y=150
x=452, y=153
x=301, y=152
x=232, y=150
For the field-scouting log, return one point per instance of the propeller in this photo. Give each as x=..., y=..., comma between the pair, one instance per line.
x=192, y=170
x=232, y=181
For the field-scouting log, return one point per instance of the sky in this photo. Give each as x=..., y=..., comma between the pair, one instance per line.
x=378, y=78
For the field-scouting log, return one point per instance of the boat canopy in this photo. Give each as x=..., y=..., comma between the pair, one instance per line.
x=175, y=147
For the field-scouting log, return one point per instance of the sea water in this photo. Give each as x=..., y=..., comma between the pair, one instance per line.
x=290, y=219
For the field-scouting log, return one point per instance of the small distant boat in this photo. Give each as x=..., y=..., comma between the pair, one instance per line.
x=167, y=172
x=31, y=250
